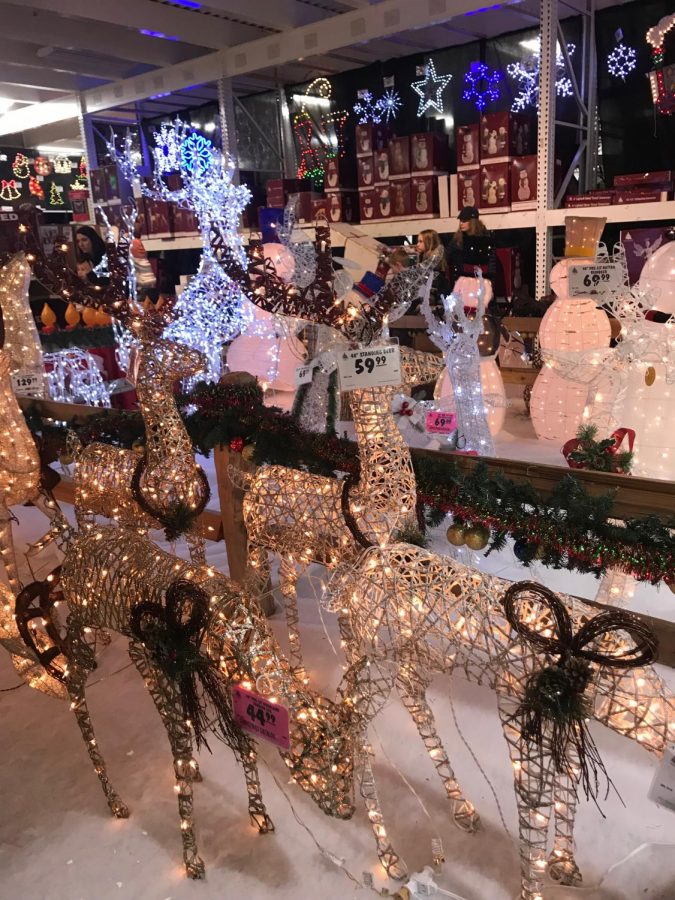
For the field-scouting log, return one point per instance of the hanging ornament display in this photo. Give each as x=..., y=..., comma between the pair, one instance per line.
x=482, y=85
x=82, y=173
x=166, y=152
x=430, y=89
x=366, y=109
x=621, y=61
x=526, y=74
x=389, y=104
x=36, y=188
x=20, y=166
x=195, y=153
x=55, y=196
x=662, y=78
x=62, y=165
x=43, y=166
x=9, y=190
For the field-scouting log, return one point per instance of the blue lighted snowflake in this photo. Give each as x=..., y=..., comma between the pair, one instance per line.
x=621, y=61
x=196, y=153
x=389, y=104
x=481, y=85
x=367, y=109
x=527, y=75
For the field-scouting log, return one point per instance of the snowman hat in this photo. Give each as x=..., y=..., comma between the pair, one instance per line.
x=582, y=235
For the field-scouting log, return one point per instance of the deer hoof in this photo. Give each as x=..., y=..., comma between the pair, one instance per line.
x=262, y=822
x=195, y=868
x=395, y=867
x=197, y=775
x=564, y=870
x=119, y=809
x=466, y=818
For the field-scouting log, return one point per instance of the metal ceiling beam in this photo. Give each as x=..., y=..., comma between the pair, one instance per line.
x=272, y=14
x=23, y=53
x=36, y=76
x=370, y=23
x=23, y=94
x=190, y=26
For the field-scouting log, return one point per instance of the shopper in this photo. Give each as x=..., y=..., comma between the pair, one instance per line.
x=472, y=246
x=145, y=277
x=90, y=254
x=430, y=247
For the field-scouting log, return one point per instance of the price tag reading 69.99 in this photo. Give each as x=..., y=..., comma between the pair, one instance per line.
x=372, y=366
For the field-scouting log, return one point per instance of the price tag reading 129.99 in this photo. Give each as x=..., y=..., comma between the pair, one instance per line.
x=373, y=366
x=263, y=718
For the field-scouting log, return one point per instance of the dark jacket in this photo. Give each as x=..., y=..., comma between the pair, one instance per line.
x=475, y=250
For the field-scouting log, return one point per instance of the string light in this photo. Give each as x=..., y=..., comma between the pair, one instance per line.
x=389, y=104
x=9, y=190
x=73, y=377
x=430, y=89
x=663, y=95
x=319, y=143
x=481, y=85
x=621, y=61
x=367, y=109
x=20, y=166
x=527, y=75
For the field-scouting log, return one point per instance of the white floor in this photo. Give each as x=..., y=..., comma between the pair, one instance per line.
x=57, y=841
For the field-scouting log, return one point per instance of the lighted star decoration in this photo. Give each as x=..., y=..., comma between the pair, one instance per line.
x=389, y=104
x=196, y=152
x=527, y=75
x=621, y=61
x=430, y=89
x=482, y=85
x=367, y=109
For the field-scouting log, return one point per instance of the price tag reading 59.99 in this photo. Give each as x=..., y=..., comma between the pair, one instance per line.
x=373, y=366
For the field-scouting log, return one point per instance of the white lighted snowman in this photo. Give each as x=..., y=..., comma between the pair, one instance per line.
x=467, y=150
x=524, y=192
x=570, y=326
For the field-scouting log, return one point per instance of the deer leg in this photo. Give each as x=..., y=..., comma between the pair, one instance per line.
x=257, y=578
x=75, y=685
x=168, y=703
x=7, y=552
x=391, y=862
x=412, y=688
x=197, y=548
x=533, y=779
x=288, y=582
x=256, y=806
x=562, y=866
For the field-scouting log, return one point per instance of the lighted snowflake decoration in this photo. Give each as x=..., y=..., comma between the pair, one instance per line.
x=621, y=61
x=367, y=109
x=389, y=104
x=527, y=75
x=196, y=153
x=481, y=85
x=167, y=147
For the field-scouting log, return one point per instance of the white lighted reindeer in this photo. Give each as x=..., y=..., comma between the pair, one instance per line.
x=182, y=619
x=458, y=335
x=428, y=614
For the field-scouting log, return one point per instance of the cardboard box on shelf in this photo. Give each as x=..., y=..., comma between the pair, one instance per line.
x=468, y=188
x=157, y=218
x=640, y=244
x=495, y=187
x=524, y=182
x=467, y=143
x=184, y=221
x=302, y=205
x=643, y=179
x=401, y=198
x=601, y=198
x=506, y=134
x=278, y=189
x=382, y=201
x=365, y=171
x=399, y=157
x=340, y=173
x=371, y=137
x=429, y=153
x=381, y=166
x=98, y=185
x=337, y=206
x=367, y=204
x=424, y=195
x=640, y=195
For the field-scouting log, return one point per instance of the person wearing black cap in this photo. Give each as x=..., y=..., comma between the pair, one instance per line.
x=471, y=246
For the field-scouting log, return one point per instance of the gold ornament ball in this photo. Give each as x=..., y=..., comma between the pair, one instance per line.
x=456, y=535
x=477, y=537
x=248, y=452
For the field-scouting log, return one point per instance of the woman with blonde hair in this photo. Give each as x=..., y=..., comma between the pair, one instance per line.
x=430, y=247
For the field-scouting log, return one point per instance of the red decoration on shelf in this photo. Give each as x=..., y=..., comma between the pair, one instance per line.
x=43, y=166
x=578, y=451
x=237, y=444
x=35, y=188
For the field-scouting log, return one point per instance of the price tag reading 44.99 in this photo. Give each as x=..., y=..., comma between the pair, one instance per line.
x=373, y=366
x=264, y=719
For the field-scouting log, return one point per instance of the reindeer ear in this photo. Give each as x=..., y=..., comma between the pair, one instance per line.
x=538, y=615
x=187, y=605
x=639, y=646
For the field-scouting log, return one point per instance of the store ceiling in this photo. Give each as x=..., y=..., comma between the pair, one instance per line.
x=50, y=55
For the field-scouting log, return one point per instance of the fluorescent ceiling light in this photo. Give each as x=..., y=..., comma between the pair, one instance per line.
x=38, y=114
x=309, y=98
x=532, y=44
x=64, y=151
x=5, y=104
x=148, y=32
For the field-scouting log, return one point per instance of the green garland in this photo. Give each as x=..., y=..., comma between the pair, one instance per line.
x=570, y=529
x=84, y=338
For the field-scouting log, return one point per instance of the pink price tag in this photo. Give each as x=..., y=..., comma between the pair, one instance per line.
x=441, y=422
x=260, y=717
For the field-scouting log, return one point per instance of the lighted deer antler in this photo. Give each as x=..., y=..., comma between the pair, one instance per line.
x=429, y=614
x=193, y=636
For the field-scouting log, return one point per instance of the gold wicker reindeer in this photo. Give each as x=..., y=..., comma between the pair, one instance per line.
x=428, y=614
x=186, y=621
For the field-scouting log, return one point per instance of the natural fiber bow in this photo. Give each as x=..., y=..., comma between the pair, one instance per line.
x=555, y=695
x=173, y=633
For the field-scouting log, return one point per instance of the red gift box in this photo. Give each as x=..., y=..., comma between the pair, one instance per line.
x=495, y=187
x=468, y=187
x=337, y=206
x=467, y=142
x=429, y=153
x=524, y=182
x=157, y=218
x=506, y=134
x=367, y=205
x=601, y=198
x=381, y=166
x=642, y=179
x=639, y=195
x=340, y=174
x=382, y=201
x=365, y=171
x=424, y=195
x=401, y=198
x=399, y=157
